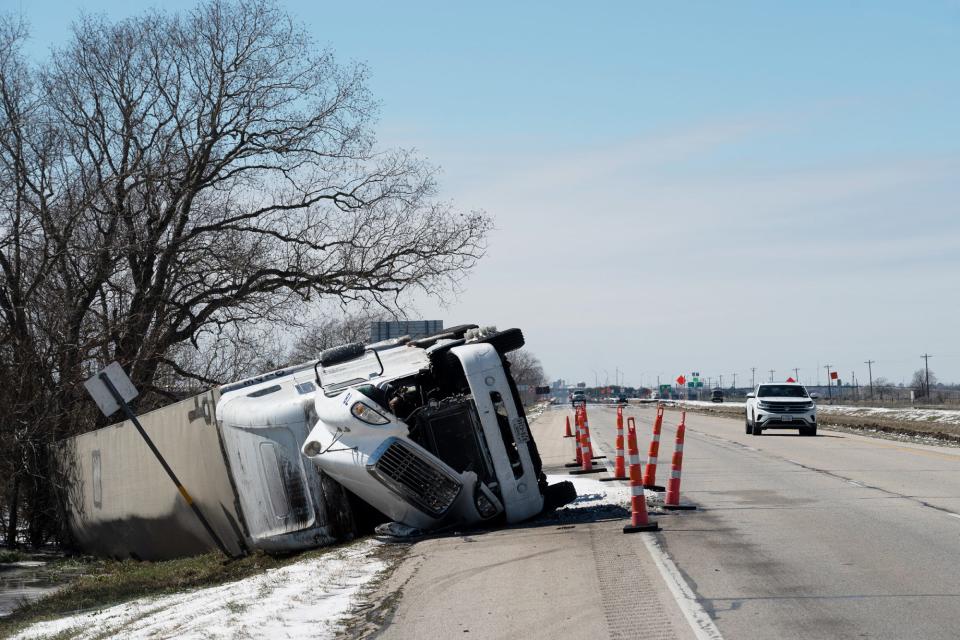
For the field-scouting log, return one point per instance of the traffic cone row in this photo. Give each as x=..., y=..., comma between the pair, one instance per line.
x=586, y=449
x=639, y=519
x=672, y=499
x=650, y=472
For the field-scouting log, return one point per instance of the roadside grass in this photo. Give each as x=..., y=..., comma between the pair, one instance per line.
x=104, y=583
x=8, y=556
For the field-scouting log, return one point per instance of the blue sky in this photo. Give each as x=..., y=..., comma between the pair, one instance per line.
x=709, y=187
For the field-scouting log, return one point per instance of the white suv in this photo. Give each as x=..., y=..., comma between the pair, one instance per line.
x=781, y=405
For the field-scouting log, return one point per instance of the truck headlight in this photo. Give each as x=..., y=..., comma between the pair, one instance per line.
x=364, y=412
x=485, y=507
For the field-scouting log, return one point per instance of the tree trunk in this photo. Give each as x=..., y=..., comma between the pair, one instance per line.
x=13, y=501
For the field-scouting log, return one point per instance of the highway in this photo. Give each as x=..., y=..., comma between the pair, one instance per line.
x=834, y=537
x=838, y=536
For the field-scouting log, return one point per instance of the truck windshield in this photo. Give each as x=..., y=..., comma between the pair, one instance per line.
x=782, y=391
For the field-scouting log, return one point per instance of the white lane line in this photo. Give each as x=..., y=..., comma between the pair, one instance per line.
x=700, y=621
x=855, y=483
x=954, y=515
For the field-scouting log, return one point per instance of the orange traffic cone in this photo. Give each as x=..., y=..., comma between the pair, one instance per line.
x=618, y=464
x=586, y=451
x=568, y=434
x=672, y=499
x=639, y=520
x=650, y=472
x=578, y=454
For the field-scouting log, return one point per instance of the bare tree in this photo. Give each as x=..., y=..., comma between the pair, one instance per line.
x=176, y=186
x=526, y=368
x=919, y=381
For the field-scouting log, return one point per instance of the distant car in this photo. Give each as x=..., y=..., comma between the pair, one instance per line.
x=782, y=405
x=622, y=400
x=716, y=395
x=578, y=397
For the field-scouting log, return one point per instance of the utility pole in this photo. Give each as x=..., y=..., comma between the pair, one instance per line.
x=869, y=364
x=796, y=373
x=734, y=385
x=771, y=374
x=721, y=381
x=829, y=384
x=753, y=377
x=926, y=365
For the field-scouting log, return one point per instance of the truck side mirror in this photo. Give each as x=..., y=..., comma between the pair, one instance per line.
x=814, y=396
x=751, y=395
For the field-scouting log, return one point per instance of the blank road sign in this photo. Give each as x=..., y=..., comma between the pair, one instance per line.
x=101, y=394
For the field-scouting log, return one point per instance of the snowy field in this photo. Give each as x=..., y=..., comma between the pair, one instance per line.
x=945, y=416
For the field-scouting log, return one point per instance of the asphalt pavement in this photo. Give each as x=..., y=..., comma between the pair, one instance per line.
x=837, y=536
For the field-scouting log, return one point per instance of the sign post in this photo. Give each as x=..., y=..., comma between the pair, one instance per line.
x=112, y=389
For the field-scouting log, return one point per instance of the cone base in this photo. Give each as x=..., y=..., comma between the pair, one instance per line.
x=577, y=472
x=612, y=478
x=597, y=457
x=570, y=465
x=570, y=436
x=654, y=487
x=650, y=526
x=679, y=507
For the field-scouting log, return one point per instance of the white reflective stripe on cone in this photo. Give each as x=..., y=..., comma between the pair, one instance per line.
x=679, y=447
x=634, y=459
x=619, y=453
x=656, y=437
x=652, y=460
x=675, y=473
x=636, y=490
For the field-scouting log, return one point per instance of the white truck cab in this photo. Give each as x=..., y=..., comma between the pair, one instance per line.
x=430, y=432
x=781, y=405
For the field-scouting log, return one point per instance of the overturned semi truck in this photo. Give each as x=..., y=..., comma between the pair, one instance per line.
x=427, y=433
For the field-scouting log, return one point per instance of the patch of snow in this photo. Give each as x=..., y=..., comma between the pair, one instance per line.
x=592, y=493
x=308, y=599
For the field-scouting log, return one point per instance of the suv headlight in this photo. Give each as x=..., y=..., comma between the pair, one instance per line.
x=765, y=405
x=365, y=413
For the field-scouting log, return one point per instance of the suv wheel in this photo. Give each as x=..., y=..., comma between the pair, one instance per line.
x=747, y=426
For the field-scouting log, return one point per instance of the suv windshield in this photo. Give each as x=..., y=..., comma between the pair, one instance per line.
x=782, y=391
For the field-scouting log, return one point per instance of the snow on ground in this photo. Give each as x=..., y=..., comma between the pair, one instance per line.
x=946, y=416
x=591, y=493
x=307, y=599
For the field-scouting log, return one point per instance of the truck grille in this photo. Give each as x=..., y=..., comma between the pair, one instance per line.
x=793, y=407
x=420, y=480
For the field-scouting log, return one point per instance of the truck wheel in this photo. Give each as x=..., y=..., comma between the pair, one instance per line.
x=343, y=353
x=747, y=427
x=505, y=341
x=757, y=431
x=558, y=495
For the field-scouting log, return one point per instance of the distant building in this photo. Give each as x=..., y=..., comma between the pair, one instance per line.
x=384, y=330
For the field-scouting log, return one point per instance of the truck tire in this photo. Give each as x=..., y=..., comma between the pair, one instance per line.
x=747, y=427
x=505, y=341
x=558, y=495
x=343, y=353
